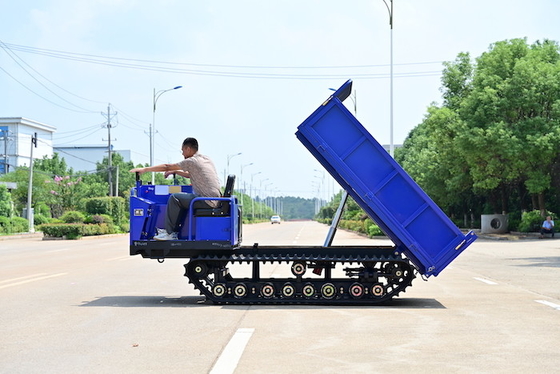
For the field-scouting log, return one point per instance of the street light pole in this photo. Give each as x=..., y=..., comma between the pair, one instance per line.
x=153, y=126
x=260, y=192
x=354, y=101
x=229, y=157
x=241, y=187
x=391, y=144
x=30, y=216
x=252, y=197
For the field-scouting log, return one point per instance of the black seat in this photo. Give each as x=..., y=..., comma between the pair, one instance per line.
x=223, y=206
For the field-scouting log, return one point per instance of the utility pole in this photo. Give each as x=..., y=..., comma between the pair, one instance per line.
x=117, y=184
x=30, y=187
x=110, y=162
x=5, y=137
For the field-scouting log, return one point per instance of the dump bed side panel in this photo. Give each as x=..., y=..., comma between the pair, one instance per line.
x=382, y=188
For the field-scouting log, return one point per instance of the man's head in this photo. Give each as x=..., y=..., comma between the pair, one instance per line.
x=189, y=147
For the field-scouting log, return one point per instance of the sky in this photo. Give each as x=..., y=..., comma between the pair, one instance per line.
x=251, y=71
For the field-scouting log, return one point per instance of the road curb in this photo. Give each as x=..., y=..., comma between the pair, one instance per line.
x=39, y=235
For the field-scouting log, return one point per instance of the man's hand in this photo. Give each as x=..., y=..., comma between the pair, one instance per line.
x=138, y=170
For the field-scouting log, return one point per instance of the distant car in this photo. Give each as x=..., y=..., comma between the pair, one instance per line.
x=275, y=219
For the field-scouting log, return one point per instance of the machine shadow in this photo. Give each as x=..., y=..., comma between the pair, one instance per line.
x=146, y=302
x=200, y=301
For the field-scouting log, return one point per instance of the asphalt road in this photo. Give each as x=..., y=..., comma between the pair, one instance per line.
x=87, y=307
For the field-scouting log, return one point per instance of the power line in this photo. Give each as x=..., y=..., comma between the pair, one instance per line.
x=54, y=53
x=160, y=66
x=85, y=136
x=13, y=56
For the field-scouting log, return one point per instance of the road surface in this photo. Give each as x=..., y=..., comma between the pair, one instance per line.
x=85, y=306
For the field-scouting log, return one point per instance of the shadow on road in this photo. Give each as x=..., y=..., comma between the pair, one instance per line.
x=146, y=301
x=197, y=301
x=551, y=261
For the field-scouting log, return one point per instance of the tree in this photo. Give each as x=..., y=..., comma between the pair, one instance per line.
x=5, y=202
x=431, y=156
x=512, y=119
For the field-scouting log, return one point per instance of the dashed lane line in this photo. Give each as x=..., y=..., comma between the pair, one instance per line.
x=19, y=278
x=486, y=281
x=28, y=280
x=228, y=360
x=548, y=303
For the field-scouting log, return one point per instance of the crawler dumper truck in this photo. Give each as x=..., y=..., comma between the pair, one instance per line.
x=425, y=240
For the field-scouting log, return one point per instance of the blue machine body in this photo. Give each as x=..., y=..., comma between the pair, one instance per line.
x=379, y=185
x=201, y=228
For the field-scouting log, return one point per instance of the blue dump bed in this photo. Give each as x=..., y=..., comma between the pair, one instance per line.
x=406, y=214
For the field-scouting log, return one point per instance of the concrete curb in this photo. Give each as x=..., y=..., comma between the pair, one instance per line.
x=24, y=235
x=39, y=235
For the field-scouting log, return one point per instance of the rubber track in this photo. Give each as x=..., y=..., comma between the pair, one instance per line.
x=205, y=272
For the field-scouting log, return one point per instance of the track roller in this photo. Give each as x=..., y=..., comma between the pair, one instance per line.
x=356, y=290
x=219, y=290
x=267, y=290
x=299, y=268
x=308, y=291
x=240, y=290
x=328, y=291
x=377, y=290
x=288, y=290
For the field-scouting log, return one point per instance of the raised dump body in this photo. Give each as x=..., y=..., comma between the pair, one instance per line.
x=379, y=185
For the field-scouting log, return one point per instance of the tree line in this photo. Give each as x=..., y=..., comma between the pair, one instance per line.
x=493, y=145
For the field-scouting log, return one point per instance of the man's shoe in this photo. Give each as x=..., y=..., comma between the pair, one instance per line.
x=163, y=236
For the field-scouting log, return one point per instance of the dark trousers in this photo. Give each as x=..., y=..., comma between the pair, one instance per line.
x=177, y=205
x=547, y=231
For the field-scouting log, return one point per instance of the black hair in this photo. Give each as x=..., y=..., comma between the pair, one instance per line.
x=191, y=142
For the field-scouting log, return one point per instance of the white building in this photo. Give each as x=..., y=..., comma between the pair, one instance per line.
x=15, y=142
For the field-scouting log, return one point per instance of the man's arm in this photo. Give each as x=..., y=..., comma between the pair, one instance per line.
x=180, y=173
x=155, y=168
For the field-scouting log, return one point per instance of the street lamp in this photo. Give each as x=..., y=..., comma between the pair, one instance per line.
x=260, y=192
x=354, y=101
x=252, y=197
x=391, y=145
x=229, y=157
x=153, y=126
x=241, y=177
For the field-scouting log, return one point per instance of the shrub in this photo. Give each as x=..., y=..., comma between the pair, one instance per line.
x=124, y=227
x=372, y=229
x=39, y=219
x=5, y=226
x=75, y=230
x=19, y=224
x=73, y=217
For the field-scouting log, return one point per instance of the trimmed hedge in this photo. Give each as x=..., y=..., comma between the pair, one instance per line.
x=75, y=230
x=366, y=226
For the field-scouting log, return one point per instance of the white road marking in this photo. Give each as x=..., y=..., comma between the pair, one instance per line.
x=228, y=360
x=27, y=276
x=548, y=303
x=30, y=280
x=486, y=281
